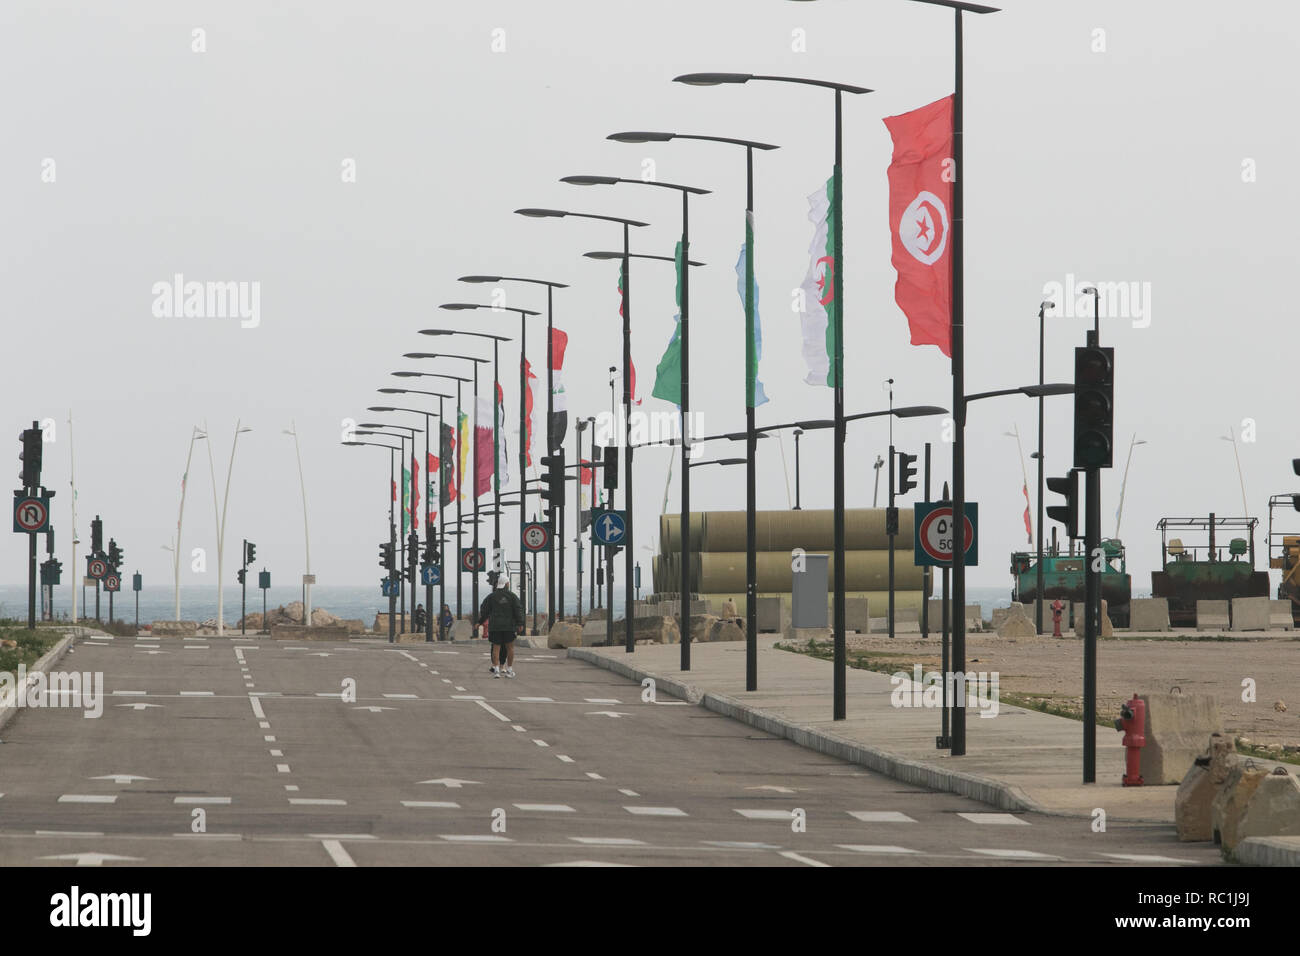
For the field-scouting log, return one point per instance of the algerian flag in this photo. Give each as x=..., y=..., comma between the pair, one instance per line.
x=668, y=373
x=819, y=314
x=754, y=393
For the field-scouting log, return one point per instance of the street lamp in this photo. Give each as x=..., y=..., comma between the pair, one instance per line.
x=554, y=442
x=536, y=213
x=221, y=521
x=307, y=579
x=392, y=529
x=1232, y=437
x=409, y=434
x=196, y=434
x=1124, y=485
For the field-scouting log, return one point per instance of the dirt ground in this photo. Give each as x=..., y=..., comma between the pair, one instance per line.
x=1051, y=669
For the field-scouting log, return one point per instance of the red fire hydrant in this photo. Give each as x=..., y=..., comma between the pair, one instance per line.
x=1132, y=721
x=1057, y=607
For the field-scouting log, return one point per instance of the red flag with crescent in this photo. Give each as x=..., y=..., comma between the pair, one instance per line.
x=921, y=175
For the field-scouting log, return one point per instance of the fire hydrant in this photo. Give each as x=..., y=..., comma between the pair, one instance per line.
x=1057, y=607
x=1132, y=722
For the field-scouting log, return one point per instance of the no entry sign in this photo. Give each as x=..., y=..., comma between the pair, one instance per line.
x=934, y=534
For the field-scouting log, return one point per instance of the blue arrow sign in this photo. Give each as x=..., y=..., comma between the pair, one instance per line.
x=431, y=574
x=609, y=527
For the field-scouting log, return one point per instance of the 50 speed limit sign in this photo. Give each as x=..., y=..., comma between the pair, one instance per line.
x=934, y=534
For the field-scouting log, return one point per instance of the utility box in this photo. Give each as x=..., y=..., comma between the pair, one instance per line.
x=809, y=592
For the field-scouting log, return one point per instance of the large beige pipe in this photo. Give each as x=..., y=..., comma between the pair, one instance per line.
x=864, y=530
x=712, y=572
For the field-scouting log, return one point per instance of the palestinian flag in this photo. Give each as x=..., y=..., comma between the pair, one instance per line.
x=559, y=401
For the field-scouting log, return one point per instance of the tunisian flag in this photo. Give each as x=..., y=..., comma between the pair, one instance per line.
x=921, y=174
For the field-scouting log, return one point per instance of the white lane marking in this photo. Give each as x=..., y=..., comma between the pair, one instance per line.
x=806, y=860
x=880, y=816
x=146, y=647
x=91, y=859
x=606, y=713
x=70, y=833
x=538, y=700
x=220, y=801
x=116, y=778
x=594, y=776
x=608, y=841
x=239, y=654
x=316, y=802
x=1145, y=858
x=656, y=811
x=409, y=656
x=518, y=728
x=130, y=693
x=282, y=768
x=140, y=706
x=740, y=845
x=768, y=786
x=423, y=664
x=196, y=693
x=196, y=647
x=459, y=688
x=88, y=798
x=565, y=757
x=338, y=696
x=269, y=738
x=450, y=782
x=493, y=711
x=765, y=814
x=265, y=693
x=446, y=652
x=540, y=743
x=277, y=753
x=602, y=700
x=1001, y=819
x=297, y=648
x=475, y=838
x=264, y=724
x=341, y=836
x=545, y=807
x=445, y=681
x=627, y=793
x=1012, y=854
x=402, y=696
x=339, y=855
x=291, y=787
x=588, y=863
x=670, y=703
x=249, y=684
x=257, y=707
x=466, y=696
x=431, y=804
x=874, y=848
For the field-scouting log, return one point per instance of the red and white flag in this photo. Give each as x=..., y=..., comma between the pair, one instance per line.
x=921, y=175
x=1029, y=528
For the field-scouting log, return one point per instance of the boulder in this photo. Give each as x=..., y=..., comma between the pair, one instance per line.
x=1195, y=797
x=1273, y=809
x=175, y=628
x=1016, y=623
x=1230, y=802
x=354, y=625
x=564, y=634
x=321, y=617
x=725, y=631
x=702, y=627
x=1106, y=629
x=1176, y=729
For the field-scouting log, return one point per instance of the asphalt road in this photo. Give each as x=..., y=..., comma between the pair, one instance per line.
x=218, y=752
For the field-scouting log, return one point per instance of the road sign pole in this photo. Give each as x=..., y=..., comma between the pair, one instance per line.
x=892, y=534
x=1092, y=622
x=110, y=607
x=31, y=581
x=927, y=583
x=944, y=741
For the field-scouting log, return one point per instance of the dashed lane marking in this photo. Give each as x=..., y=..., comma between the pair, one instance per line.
x=998, y=819
x=475, y=838
x=874, y=848
x=282, y=768
x=806, y=860
x=257, y=707
x=564, y=757
x=538, y=700
x=402, y=696
x=217, y=801
x=196, y=693
x=765, y=814
x=88, y=798
x=881, y=816
x=540, y=743
x=1011, y=854
x=627, y=793
x=545, y=807
x=431, y=804
x=602, y=700
x=339, y=855
x=656, y=811
x=594, y=776
x=466, y=696
x=493, y=711
x=608, y=841
x=316, y=802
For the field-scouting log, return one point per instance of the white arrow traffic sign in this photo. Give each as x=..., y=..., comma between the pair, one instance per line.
x=91, y=859
x=610, y=527
x=606, y=713
x=450, y=782
x=121, y=777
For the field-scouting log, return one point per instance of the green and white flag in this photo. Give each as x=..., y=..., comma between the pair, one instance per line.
x=819, y=314
x=754, y=393
x=668, y=373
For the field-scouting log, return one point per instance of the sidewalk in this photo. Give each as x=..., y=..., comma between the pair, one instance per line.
x=1019, y=760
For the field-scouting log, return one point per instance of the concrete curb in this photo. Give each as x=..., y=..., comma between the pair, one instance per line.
x=985, y=789
x=1268, y=851
x=48, y=659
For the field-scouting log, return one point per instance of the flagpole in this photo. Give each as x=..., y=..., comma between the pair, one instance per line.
x=524, y=438
x=557, y=539
x=957, y=739
x=460, y=497
x=751, y=441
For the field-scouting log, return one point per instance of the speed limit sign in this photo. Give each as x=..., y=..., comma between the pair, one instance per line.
x=934, y=534
x=536, y=537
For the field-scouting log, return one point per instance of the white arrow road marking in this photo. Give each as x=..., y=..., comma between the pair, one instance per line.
x=374, y=709
x=339, y=855
x=139, y=706
x=120, y=777
x=606, y=713
x=768, y=786
x=806, y=860
x=91, y=859
x=450, y=782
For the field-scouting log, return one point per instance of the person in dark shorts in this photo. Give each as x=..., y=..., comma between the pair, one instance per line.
x=502, y=616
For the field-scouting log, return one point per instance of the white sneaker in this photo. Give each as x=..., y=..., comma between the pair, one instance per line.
x=510, y=672
x=496, y=672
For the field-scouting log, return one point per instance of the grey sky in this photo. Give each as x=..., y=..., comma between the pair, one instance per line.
x=1123, y=165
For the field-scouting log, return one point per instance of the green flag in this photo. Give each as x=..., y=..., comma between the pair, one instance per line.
x=668, y=373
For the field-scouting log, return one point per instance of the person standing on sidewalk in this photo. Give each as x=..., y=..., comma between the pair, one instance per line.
x=502, y=616
x=445, y=620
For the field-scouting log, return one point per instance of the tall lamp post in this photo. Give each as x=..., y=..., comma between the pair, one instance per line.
x=751, y=379
x=307, y=580
x=392, y=530
x=408, y=434
x=837, y=360
x=1124, y=484
x=221, y=521
x=196, y=434
x=536, y=213
x=554, y=443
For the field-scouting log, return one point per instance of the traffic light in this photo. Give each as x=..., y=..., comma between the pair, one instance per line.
x=1094, y=417
x=115, y=555
x=906, y=472
x=386, y=556
x=250, y=552
x=31, y=456
x=50, y=571
x=412, y=555
x=96, y=536
x=1068, y=513
x=431, y=554
x=553, y=493
x=1295, y=499
x=240, y=575
x=610, y=460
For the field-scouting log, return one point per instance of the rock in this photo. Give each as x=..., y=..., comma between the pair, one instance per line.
x=725, y=631
x=1016, y=623
x=321, y=617
x=1280, y=706
x=210, y=622
x=702, y=627
x=175, y=628
x=1195, y=797
x=1230, y=801
x=1273, y=809
x=564, y=634
x=355, y=625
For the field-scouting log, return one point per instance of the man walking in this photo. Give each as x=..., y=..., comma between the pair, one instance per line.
x=502, y=615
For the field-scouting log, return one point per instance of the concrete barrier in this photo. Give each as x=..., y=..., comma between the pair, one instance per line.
x=857, y=615
x=1148, y=614
x=1273, y=809
x=594, y=632
x=1279, y=616
x=1211, y=615
x=974, y=616
x=1195, y=797
x=411, y=637
x=1106, y=629
x=173, y=628
x=1016, y=623
x=1250, y=614
x=564, y=634
x=999, y=615
x=1176, y=728
x=462, y=630
x=1230, y=802
x=772, y=615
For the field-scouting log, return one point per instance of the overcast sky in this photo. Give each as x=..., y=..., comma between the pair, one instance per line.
x=1107, y=140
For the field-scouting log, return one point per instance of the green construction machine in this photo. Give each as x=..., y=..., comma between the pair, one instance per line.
x=1206, y=570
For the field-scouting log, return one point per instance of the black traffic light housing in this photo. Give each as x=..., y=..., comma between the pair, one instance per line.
x=1094, y=413
x=115, y=555
x=96, y=536
x=1068, y=513
x=609, y=458
x=386, y=556
x=553, y=493
x=431, y=554
x=250, y=553
x=412, y=555
x=240, y=574
x=906, y=472
x=31, y=456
